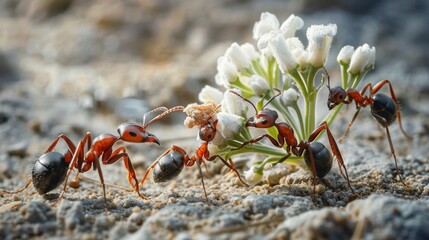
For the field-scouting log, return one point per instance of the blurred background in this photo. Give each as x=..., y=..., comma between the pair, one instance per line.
x=74, y=66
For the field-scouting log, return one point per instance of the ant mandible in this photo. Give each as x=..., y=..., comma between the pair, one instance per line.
x=171, y=162
x=316, y=155
x=53, y=168
x=384, y=109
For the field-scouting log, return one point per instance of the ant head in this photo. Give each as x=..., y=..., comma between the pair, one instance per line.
x=207, y=132
x=336, y=96
x=135, y=133
x=264, y=119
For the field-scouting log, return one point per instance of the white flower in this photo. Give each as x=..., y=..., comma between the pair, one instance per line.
x=258, y=84
x=263, y=44
x=363, y=59
x=238, y=57
x=250, y=51
x=345, y=54
x=233, y=104
x=319, y=43
x=210, y=94
x=268, y=23
x=289, y=27
x=371, y=59
x=253, y=177
x=282, y=53
x=289, y=97
x=229, y=124
x=298, y=52
x=227, y=72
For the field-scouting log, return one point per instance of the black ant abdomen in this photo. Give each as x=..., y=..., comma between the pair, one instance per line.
x=49, y=172
x=384, y=109
x=168, y=167
x=321, y=156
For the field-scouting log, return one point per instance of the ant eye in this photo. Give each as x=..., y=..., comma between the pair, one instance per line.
x=133, y=134
x=264, y=122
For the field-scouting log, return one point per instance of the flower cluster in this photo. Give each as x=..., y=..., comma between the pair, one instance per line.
x=278, y=61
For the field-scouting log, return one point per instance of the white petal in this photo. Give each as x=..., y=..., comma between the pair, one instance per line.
x=290, y=96
x=289, y=27
x=210, y=94
x=345, y=54
x=282, y=53
x=238, y=57
x=250, y=51
x=360, y=59
x=268, y=23
x=258, y=84
x=229, y=124
x=232, y=103
x=319, y=42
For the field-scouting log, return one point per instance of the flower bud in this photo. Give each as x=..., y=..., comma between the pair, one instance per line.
x=289, y=27
x=232, y=103
x=345, y=54
x=298, y=52
x=229, y=124
x=210, y=94
x=289, y=97
x=238, y=57
x=268, y=23
x=363, y=57
x=250, y=51
x=254, y=176
x=259, y=85
x=282, y=53
x=227, y=72
x=319, y=42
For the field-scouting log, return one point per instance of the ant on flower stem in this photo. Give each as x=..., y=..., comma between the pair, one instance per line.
x=53, y=168
x=171, y=162
x=384, y=109
x=316, y=155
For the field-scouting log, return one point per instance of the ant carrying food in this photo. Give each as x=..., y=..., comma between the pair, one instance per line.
x=171, y=162
x=53, y=168
x=317, y=156
x=384, y=109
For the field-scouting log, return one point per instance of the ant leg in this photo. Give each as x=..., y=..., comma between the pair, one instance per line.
x=119, y=153
x=66, y=139
x=100, y=174
x=392, y=93
x=202, y=180
x=335, y=151
x=254, y=140
x=350, y=125
x=392, y=150
x=77, y=158
x=230, y=165
x=281, y=160
x=17, y=191
x=207, y=170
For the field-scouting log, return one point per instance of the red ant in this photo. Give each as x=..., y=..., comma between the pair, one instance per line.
x=316, y=155
x=171, y=162
x=383, y=108
x=53, y=168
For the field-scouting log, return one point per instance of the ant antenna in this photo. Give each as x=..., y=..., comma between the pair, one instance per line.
x=327, y=76
x=152, y=111
x=272, y=98
x=165, y=112
x=245, y=99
